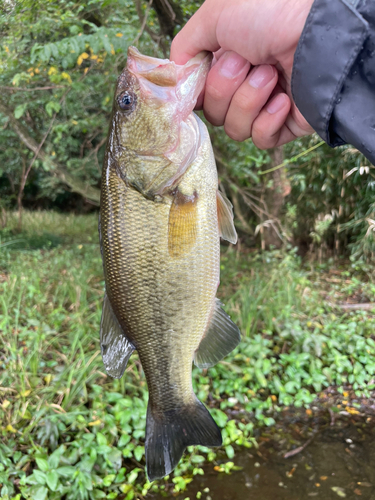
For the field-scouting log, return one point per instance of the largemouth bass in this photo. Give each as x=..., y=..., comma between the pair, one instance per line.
x=161, y=218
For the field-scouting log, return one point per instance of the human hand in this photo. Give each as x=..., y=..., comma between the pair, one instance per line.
x=248, y=89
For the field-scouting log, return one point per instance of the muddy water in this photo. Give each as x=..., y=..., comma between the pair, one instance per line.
x=339, y=462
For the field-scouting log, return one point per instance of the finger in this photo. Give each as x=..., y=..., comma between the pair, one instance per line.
x=222, y=82
x=269, y=124
x=198, y=34
x=248, y=101
x=297, y=123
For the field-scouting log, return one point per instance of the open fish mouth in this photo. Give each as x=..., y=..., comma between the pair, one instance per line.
x=163, y=80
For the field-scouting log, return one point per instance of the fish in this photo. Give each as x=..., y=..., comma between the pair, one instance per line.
x=161, y=219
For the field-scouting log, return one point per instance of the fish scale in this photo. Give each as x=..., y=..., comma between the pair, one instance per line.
x=160, y=247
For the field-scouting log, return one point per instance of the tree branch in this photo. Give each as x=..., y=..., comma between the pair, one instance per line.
x=158, y=39
x=77, y=186
x=31, y=89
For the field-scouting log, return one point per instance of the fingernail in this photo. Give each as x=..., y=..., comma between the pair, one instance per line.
x=261, y=75
x=231, y=64
x=276, y=104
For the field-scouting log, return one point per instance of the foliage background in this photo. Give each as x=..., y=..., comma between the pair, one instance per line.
x=59, y=61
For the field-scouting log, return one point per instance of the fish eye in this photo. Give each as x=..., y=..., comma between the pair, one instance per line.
x=126, y=100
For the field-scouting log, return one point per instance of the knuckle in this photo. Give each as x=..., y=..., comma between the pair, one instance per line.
x=214, y=93
x=215, y=120
x=264, y=142
x=262, y=139
x=235, y=133
x=242, y=101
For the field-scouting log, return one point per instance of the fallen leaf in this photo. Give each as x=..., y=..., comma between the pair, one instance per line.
x=317, y=485
x=339, y=491
x=96, y=422
x=291, y=472
x=358, y=492
x=324, y=478
x=366, y=485
x=352, y=411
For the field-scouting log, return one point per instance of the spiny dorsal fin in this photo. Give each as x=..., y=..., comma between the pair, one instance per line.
x=116, y=348
x=225, y=217
x=182, y=225
x=221, y=337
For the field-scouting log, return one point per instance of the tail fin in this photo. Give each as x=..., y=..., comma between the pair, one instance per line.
x=168, y=434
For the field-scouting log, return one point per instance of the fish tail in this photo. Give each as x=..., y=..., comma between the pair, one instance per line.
x=169, y=433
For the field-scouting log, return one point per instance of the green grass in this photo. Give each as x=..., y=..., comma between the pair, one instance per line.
x=69, y=431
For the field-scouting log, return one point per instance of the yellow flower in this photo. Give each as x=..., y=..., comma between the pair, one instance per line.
x=52, y=71
x=83, y=56
x=119, y=35
x=10, y=428
x=66, y=76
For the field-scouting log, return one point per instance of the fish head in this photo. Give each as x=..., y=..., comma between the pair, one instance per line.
x=152, y=115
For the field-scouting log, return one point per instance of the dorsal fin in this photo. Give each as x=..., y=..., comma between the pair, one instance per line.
x=221, y=337
x=116, y=348
x=225, y=218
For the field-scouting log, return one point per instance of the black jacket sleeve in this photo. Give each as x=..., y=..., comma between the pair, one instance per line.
x=333, y=80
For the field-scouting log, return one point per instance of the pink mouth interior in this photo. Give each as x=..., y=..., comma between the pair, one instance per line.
x=164, y=81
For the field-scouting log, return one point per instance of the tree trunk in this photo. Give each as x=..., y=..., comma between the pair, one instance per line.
x=169, y=15
x=274, y=196
x=20, y=194
x=77, y=186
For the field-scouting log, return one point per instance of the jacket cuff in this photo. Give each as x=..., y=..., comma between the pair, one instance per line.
x=331, y=40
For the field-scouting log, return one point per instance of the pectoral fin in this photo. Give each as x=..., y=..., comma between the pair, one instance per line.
x=221, y=337
x=182, y=225
x=116, y=348
x=225, y=217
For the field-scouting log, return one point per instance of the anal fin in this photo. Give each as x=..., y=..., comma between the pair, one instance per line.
x=221, y=337
x=225, y=218
x=116, y=348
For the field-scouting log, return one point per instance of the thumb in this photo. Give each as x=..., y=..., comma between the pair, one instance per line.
x=198, y=34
